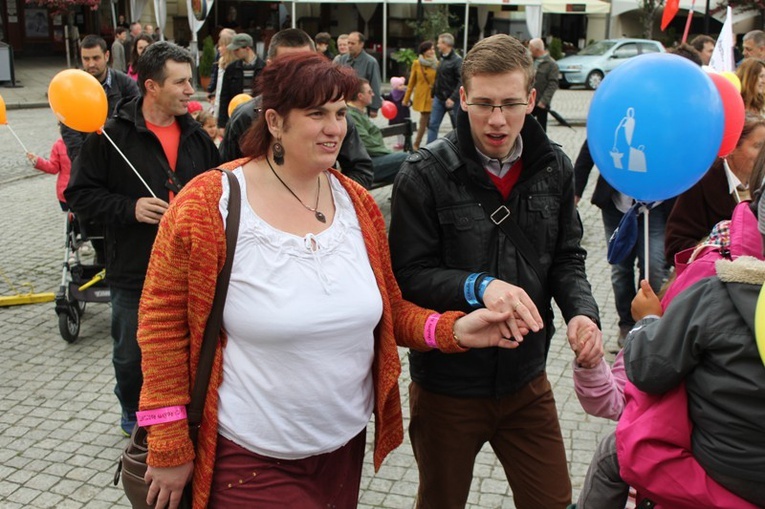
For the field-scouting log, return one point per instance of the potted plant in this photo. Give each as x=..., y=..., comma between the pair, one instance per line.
x=206, y=61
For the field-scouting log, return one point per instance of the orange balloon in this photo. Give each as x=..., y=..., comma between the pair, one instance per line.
x=78, y=100
x=3, y=118
x=236, y=101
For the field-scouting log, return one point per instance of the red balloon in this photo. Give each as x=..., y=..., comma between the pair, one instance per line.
x=733, y=106
x=389, y=110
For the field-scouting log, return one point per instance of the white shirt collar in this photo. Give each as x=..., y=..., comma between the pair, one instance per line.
x=497, y=167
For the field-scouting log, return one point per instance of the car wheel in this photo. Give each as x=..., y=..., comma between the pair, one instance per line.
x=593, y=80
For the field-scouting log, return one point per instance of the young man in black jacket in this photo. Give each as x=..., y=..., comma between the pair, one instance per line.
x=240, y=75
x=453, y=202
x=167, y=148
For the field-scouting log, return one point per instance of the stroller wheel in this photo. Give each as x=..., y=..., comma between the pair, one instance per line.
x=69, y=326
x=79, y=305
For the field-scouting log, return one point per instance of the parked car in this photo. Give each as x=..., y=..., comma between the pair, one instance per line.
x=589, y=66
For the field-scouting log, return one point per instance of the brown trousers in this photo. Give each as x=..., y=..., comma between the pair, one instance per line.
x=523, y=430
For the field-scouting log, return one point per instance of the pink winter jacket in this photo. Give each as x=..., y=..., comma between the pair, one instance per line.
x=58, y=163
x=654, y=432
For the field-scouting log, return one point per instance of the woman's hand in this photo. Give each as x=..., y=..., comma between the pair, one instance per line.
x=407, y=104
x=483, y=328
x=645, y=302
x=504, y=297
x=166, y=484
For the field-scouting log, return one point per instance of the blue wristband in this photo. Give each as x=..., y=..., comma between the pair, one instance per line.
x=470, y=289
x=482, y=286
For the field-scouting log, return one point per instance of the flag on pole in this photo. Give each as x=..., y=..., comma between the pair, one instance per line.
x=722, y=57
x=670, y=11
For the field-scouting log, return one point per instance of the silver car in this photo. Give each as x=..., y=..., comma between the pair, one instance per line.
x=589, y=66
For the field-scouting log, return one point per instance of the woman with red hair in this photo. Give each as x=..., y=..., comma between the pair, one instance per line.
x=312, y=319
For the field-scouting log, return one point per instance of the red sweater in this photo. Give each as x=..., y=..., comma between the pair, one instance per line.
x=180, y=283
x=60, y=164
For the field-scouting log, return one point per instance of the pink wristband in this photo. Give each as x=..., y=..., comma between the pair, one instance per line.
x=430, y=330
x=161, y=415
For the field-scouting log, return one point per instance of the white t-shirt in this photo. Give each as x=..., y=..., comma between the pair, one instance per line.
x=297, y=368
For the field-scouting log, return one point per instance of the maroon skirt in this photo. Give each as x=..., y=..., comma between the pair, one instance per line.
x=244, y=479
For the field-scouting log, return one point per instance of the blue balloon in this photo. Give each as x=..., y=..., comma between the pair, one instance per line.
x=655, y=126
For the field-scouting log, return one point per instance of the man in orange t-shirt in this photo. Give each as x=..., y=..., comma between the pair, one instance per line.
x=166, y=148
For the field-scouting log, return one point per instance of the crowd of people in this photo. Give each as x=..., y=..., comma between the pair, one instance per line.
x=484, y=235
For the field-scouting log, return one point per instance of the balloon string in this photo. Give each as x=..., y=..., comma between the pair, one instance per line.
x=17, y=138
x=103, y=131
x=646, y=250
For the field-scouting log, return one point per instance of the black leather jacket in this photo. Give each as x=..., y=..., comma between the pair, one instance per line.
x=353, y=158
x=439, y=235
x=449, y=78
x=103, y=187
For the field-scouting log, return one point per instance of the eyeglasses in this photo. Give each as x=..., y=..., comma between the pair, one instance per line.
x=485, y=109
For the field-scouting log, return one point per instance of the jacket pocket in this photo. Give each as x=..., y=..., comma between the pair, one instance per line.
x=542, y=219
x=465, y=236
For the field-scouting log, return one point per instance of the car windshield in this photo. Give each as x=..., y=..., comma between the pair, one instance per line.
x=597, y=49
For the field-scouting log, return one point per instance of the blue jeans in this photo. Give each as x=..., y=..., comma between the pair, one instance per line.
x=437, y=115
x=623, y=274
x=126, y=355
x=386, y=167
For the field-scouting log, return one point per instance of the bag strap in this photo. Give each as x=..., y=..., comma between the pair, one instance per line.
x=488, y=200
x=215, y=320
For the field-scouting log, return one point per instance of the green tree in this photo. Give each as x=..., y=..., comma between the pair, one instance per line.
x=436, y=21
x=647, y=11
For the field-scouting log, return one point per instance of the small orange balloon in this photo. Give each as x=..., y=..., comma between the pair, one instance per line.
x=733, y=78
x=78, y=100
x=236, y=101
x=3, y=118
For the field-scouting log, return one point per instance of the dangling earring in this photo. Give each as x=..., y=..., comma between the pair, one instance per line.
x=278, y=153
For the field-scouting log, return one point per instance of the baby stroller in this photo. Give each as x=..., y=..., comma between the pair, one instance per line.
x=80, y=282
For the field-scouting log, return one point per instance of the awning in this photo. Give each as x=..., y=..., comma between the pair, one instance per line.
x=575, y=7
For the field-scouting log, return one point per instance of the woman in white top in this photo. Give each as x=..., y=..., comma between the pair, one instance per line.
x=312, y=318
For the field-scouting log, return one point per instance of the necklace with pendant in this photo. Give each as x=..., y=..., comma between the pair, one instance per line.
x=317, y=214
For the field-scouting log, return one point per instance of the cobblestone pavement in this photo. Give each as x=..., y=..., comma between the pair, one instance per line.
x=59, y=435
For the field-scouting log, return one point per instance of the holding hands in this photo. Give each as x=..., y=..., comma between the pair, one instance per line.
x=586, y=341
x=522, y=313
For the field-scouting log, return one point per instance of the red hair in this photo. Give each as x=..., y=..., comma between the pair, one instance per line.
x=295, y=81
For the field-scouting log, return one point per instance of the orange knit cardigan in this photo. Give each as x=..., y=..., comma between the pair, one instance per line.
x=187, y=256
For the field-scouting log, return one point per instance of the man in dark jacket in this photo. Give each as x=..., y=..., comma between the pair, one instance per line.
x=117, y=85
x=545, y=80
x=240, y=75
x=353, y=158
x=452, y=202
x=167, y=148
x=446, y=89
x=613, y=205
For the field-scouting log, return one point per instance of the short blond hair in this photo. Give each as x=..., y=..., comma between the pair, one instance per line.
x=498, y=54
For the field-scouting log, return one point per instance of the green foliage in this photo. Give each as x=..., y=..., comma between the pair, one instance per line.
x=435, y=21
x=208, y=57
x=405, y=56
x=556, y=48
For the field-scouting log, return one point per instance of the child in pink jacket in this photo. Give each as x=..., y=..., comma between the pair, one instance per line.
x=60, y=164
x=601, y=390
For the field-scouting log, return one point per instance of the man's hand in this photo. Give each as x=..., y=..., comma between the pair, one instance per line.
x=372, y=113
x=576, y=200
x=586, y=341
x=504, y=297
x=541, y=105
x=645, y=302
x=166, y=484
x=449, y=104
x=150, y=210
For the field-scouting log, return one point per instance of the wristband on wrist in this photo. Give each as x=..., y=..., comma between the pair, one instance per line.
x=469, y=289
x=430, y=330
x=482, y=287
x=160, y=415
